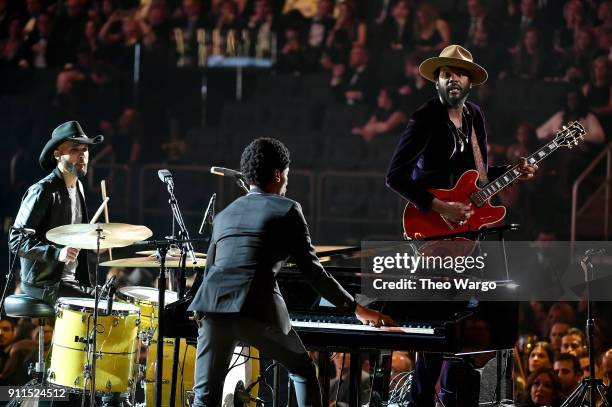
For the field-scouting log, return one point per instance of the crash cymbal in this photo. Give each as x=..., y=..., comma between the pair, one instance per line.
x=84, y=235
x=151, y=262
x=172, y=252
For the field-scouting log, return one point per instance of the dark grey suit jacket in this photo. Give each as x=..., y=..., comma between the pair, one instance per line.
x=252, y=238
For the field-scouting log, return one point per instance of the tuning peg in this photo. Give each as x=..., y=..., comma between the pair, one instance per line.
x=569, y=146
x=575, y=142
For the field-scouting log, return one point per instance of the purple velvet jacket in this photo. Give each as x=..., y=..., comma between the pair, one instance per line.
x=426, y=154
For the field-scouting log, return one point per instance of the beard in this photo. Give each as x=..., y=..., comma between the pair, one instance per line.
x=455, y=99
x=73, y=169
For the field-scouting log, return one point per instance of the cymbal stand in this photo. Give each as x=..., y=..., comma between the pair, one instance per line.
x=92, y=341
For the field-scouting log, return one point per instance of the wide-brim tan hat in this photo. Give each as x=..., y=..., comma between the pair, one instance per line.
x=456, y=56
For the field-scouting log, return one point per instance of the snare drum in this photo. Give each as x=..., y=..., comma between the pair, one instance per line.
x=116, y=345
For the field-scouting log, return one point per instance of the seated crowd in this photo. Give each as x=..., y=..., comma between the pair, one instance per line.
x=368, y=51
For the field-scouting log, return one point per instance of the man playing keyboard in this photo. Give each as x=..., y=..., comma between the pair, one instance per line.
x=239, y=300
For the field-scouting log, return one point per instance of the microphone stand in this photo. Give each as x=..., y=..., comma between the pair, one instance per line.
x=177, y=340
x=240, y=182
x=186, y=247
x=591, y=385
x=93, y=341
x=162, y=250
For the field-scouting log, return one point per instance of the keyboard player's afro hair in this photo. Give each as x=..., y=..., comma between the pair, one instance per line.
x=260, y=159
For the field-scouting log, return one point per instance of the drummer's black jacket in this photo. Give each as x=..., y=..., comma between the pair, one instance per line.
x=45, y=206
x=252, y=238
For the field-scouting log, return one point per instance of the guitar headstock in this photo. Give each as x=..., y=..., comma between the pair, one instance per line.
x=570, y=135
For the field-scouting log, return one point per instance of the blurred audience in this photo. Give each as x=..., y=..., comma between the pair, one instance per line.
x=387, y=117
x=543, y=388
x=356, y=83
x=397, y=31
x=569, y=373
x=540, y=357
x=431, y=33
x=347, y=32
x=339, y=385
x=530, y=60
x=557, y=331
x=574, y=343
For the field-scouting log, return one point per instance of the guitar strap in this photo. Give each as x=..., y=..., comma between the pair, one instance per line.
x=482, y=171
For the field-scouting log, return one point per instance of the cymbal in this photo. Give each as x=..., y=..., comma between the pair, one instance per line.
x=85, y=236
x=152, y=262
x=172, y=252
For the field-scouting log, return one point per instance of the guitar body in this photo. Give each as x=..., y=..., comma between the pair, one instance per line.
x=418, y=225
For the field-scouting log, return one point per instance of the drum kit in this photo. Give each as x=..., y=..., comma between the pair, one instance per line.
x=97, y=347
x=126, y=335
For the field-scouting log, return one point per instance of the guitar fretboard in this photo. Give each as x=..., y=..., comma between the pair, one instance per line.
x=493, y=187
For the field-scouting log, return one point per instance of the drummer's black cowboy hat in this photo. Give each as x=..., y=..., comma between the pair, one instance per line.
x=69, y=131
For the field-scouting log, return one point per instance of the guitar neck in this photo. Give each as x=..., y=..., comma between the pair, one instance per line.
x=507, y=178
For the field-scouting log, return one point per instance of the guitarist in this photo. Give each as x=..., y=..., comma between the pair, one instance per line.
x=444, y=138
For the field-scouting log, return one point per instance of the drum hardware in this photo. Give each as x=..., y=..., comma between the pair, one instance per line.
x=172, y=252
x=96, y=236
x=94, y=333
x=72, y=365
x=146, y=299
x=152, y=262
x=186, y=247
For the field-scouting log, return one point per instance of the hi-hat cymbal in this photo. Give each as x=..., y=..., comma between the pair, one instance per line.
x=85, y=236
x=152, y=262
x=172, y=252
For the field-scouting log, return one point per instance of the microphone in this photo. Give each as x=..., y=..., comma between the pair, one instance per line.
x=144, y=243
x=166, y=177
x=237, y=175
x=111, y=293
x=23, y=230
x=209, y=215
x=226, y=172
x=108, y=283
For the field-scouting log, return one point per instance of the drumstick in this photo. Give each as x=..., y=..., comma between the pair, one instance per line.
x=99, y=211
x=104, y=196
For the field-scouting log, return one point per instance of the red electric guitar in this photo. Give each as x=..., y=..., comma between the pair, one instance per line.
x=419, y=225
